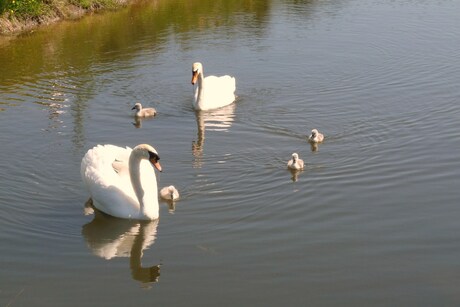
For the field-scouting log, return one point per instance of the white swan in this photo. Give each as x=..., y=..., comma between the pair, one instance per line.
x=122, y=181
x=169, y=193
x=315, y=136
x=143, y=112
x=212, y=92
x=295, y=163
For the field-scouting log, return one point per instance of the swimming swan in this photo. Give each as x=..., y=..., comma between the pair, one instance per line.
x=295, y=163
x=212, y=92
x=122, y=181
x=143, y=112
x=315, y=136
x=169, y=193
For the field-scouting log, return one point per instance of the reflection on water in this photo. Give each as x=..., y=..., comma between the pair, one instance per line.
x=171, y=205
x=66, y=59
x=103, y=38
x=314, y=146
x=137, y=123
x=214, y=120
x=110, y=237
x=295, y=174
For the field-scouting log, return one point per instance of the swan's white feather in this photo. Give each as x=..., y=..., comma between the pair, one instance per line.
x=105, y=171
x=213, y=92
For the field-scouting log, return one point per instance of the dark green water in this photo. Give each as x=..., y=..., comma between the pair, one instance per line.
x=372, y=220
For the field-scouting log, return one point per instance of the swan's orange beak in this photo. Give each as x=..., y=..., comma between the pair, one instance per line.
x=156, y=164
x=194, y=76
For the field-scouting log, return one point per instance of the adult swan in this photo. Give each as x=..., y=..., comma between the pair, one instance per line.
x=212, y=92
x=122, y=181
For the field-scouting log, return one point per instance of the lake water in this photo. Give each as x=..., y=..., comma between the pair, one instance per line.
x=373, y=220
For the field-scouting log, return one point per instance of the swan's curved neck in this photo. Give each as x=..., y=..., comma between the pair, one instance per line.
x=135, y=176
x=144, y=185
x=200, y=77
x=199, y=90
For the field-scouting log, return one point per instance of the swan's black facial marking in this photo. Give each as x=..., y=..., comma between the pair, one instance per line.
x=153, y=157
x=194, y=76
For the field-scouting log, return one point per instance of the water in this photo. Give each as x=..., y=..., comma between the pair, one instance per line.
x=372, y=220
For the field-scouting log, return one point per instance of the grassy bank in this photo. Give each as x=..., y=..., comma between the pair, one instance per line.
x=23, y=15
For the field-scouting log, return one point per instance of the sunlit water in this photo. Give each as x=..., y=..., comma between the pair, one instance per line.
x=372, y=220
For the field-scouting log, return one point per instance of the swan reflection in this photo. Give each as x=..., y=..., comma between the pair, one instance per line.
x=213, y=120
x=171, y=205
x=110, y=237
x=138, y=121
x=295, y=174
x=314, y=146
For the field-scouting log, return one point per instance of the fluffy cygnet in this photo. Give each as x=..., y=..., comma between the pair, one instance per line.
x=143, y=112
x=295, y=163
x=315, y=136
x=169, y=193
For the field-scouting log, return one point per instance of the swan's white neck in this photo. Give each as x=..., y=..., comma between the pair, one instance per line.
x=199, y=91
x=148, y=205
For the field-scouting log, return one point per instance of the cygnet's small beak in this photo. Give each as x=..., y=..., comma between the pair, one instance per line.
x=194, y=76
x=133, y=108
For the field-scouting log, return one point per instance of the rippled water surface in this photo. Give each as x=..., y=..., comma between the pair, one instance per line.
x=372, y=220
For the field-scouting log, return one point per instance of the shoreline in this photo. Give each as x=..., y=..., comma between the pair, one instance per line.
x=11, y=26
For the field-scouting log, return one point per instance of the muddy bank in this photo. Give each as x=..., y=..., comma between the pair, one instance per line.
x=11, y=25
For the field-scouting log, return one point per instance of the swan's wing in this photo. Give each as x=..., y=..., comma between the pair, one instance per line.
x=223, y=83
x=105, y=171
x=105, y=164
x=120, y=162
x=219, y=91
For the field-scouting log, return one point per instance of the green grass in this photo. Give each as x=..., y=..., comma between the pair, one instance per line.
x=24, y=9
x=88, y=4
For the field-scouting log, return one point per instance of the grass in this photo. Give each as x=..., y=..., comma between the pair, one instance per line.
x=94, y=4
x=23, y=8
x=36, y=8
x=22, y=15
